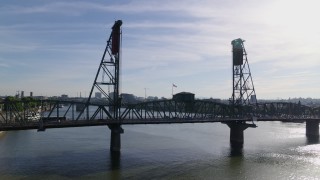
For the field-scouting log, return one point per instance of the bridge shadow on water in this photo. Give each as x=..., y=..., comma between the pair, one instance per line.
x=64, y=165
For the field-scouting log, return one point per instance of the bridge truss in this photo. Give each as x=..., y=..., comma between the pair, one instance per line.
x=15, y=115
x=107, y=78
x=243, y=89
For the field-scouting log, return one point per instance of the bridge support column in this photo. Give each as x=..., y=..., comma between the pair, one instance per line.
x=115, y=141
x=312, y=128
x=236, y=133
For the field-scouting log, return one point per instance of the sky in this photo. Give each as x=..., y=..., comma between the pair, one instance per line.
x=55, y=47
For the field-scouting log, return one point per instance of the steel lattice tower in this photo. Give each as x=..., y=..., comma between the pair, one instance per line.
x=107, y=77
x=243, y=89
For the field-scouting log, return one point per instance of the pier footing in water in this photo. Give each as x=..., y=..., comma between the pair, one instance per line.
x=312, y=128
x=236, y=133
x=115, y=140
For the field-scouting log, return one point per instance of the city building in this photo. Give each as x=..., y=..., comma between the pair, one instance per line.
x=64, y=96
x=97, y=95
x=128, y=98
x=183, y=96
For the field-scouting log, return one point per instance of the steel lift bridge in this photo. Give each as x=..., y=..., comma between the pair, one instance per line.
x=111, y=111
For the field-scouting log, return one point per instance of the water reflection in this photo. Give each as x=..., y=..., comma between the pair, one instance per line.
x=235, y=165
x=272, y=152
x=115, y=165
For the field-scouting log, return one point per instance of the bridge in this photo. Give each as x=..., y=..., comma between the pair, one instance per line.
x=240, y=113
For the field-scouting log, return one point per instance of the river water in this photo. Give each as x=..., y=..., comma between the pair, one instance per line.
x=273, y=150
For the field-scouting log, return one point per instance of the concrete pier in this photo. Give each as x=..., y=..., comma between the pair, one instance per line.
x=236, y=133
x=115, y=140
x=312, y=128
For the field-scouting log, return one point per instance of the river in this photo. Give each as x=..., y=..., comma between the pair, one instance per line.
x=273, y=150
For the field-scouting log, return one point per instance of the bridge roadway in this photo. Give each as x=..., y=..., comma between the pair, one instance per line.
x=16, y=116
x=104, y=122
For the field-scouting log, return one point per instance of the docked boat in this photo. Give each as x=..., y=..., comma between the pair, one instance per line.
x=33, y=117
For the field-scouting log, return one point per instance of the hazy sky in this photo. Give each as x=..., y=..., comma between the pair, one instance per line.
x=55, y=47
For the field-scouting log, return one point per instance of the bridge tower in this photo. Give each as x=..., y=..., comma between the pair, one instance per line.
x=243, y=89
x=107, y=79
x=243, y=92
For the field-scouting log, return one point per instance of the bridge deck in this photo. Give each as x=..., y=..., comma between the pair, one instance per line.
x=82, y=123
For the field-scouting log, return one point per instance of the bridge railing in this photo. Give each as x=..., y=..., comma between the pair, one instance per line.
x=285, y=110
x=183, y=110
x=23, y=113
x=212, y=110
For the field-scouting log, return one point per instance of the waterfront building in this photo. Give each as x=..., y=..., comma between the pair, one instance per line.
x=97, y=95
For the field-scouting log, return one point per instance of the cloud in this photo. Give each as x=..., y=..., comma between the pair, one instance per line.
x=163, y=41
x=4, y=65
x=45, y=27
x=80, y=7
